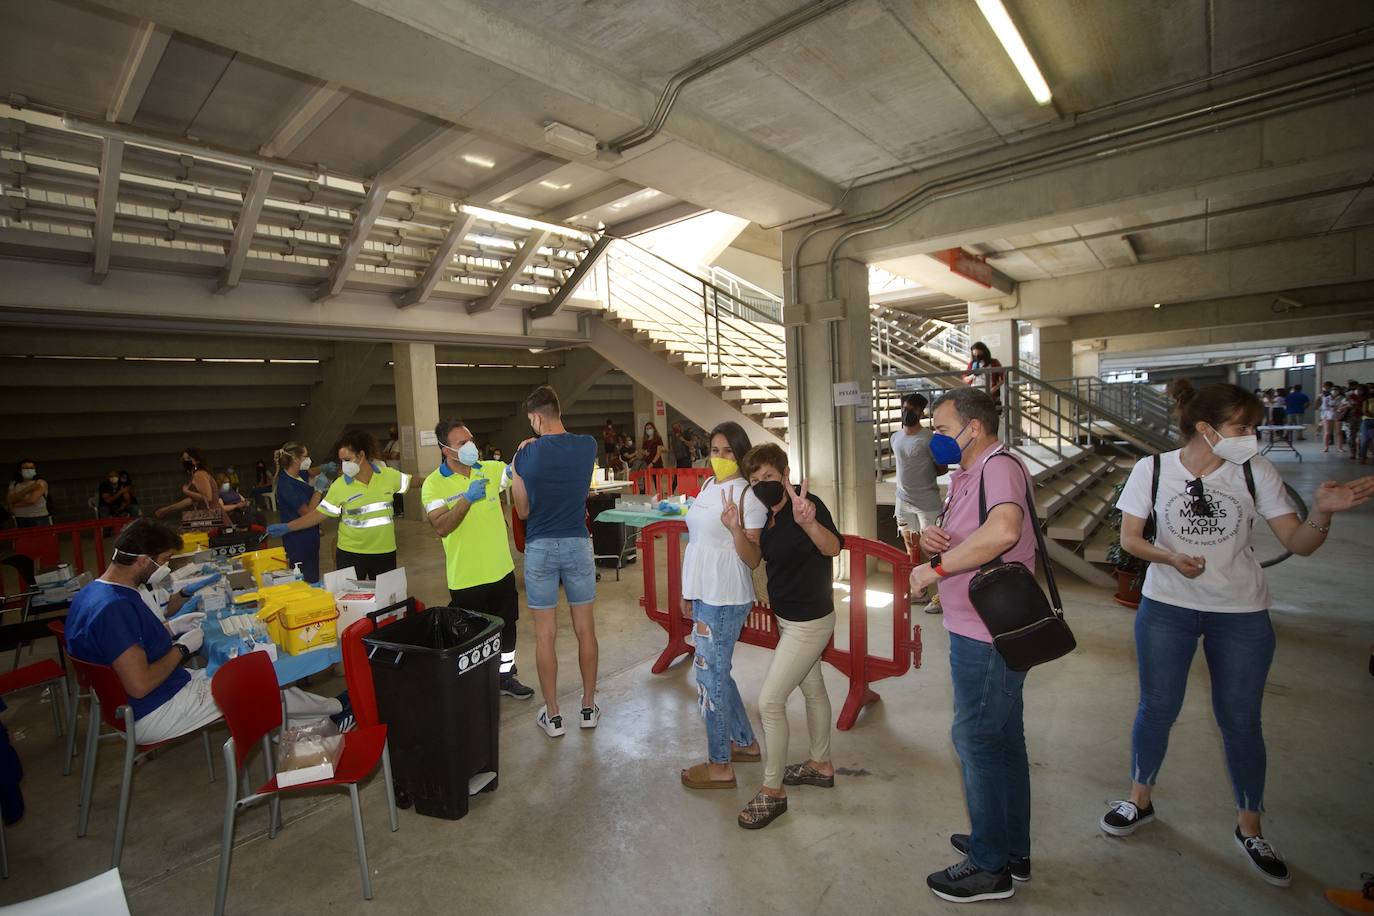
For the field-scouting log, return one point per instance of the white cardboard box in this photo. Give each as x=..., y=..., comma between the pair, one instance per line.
x=356, y=599
x=305, y=774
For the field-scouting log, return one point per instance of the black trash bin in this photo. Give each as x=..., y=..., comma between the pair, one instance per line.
x=440, y=706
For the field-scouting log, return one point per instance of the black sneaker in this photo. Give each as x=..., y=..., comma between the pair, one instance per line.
x=1019, y=865
x=967, y=883
x=1267, y=862
x=513, y=688
x=1125, y=818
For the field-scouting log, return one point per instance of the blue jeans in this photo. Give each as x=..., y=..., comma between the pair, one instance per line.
x=717, y=693
x=989, y=736
x=1239, y=649
x=549, y=561
x=1366, y=438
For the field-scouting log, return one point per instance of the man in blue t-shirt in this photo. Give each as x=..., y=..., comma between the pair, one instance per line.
x=111, y=624
x=1294, y=406
x=551, y=475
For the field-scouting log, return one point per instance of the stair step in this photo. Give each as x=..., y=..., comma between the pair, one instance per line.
x=1080, y=520
x=1057, y=493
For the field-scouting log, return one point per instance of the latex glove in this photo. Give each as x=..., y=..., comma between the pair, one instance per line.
x=185, y=623
x=331, y=468
x=278, y=529
x=191, y=588
x=192, y=639
x=191, y=604
x=477, y=490
x=321, y=483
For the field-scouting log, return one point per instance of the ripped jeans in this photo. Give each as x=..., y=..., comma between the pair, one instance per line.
x=717, y=629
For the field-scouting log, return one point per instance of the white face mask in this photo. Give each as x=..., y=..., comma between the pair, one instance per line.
x=159, y=574
x=350, y=468
x=1235, y=449
x=29, y=473
x=224, y=488
x=305, y=463
x=467, y=453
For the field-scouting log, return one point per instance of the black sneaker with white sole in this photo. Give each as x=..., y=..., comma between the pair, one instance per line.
x=1125, y=818
x=513, y=688
x=1263, y=857
x=967, y=883
x=1019, y=865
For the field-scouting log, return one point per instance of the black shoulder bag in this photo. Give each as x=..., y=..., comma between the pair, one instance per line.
x=1027, y=630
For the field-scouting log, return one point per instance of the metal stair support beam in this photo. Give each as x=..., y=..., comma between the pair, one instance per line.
x=579, y=273
x=310, y=111
x=253, y=198
x=443, y=256
x=440, y=145
x=145, y=53
x=514, y=268
x=345, y=379
x=107, y=198
x=581, y=370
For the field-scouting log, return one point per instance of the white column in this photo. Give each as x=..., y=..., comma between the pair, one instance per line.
x=417, y=411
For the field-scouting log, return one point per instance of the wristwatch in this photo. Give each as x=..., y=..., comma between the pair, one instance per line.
x=935, y=565
x=185, y=652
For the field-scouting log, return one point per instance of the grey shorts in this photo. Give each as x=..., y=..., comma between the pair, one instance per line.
x=909, y=518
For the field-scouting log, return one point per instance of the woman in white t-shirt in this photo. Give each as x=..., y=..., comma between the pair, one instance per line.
x=721, y=589
x=1205, y=582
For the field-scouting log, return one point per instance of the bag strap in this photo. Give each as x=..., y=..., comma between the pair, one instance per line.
x=1055, y=601
x=1152, y=523
x=1250, y=481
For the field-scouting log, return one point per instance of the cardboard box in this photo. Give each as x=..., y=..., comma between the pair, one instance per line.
x=356, y=599
x=55, y=575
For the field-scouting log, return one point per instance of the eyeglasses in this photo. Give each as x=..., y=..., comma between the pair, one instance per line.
x=1200, y=506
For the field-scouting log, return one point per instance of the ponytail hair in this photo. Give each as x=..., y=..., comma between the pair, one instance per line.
x=1214, y=405
x=287, y=454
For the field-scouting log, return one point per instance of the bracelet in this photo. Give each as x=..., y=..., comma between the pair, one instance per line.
x=1325, y=530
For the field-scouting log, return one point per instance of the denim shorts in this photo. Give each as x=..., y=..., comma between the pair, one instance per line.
x=551, y=560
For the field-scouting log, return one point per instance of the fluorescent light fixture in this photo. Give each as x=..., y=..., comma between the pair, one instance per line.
x=554, y=186
x=569, y=138
x=1015, y=46
x=482, y=162
x=522, y=222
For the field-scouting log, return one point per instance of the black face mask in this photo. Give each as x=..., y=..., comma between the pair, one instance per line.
x=910, y=418
x=769, y=492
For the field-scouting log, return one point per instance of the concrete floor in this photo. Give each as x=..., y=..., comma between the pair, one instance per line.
x=596, y=822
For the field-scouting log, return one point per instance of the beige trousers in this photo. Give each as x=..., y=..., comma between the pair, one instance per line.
x=796, y=663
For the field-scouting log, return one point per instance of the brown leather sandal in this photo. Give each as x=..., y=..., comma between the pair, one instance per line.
x=699, y=777
x=740, y=755
x=804, y=774
x=761, y=811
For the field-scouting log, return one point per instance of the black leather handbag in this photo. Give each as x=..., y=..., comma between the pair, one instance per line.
x=1027, y=629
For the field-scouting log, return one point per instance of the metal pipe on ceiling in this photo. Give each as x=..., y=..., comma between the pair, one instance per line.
x=1083, y=150
x=116, y=132
x=714, y=61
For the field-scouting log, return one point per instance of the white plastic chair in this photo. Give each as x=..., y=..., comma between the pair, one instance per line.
x=102, y=895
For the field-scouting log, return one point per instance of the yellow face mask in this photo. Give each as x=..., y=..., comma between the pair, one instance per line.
x=724, y=468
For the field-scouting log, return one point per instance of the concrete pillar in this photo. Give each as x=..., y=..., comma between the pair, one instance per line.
x=1086, y=363
x=1056, y=359
x=346, y=376
x=647, y=407
x=417, y=412
x=828, y=343
x=1001, y=338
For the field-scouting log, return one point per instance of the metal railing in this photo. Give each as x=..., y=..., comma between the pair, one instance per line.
x=730, y=338
x=760, y=301
x=1142, y=404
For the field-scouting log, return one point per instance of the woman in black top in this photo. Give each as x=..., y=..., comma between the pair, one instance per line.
x=798, y=545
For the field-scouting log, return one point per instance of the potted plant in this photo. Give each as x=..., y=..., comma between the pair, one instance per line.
x=1130, y=569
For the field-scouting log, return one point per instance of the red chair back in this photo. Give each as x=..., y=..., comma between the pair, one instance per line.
x=245, y=690
x=41, y=546
x=104, y=683
x=362, y=695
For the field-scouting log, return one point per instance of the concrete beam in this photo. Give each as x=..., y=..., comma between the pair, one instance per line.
x=673, y=213
x=572, y=380
x=1209, y=343
x=310, y=111
x=507, y=185
x=1268, y=151
x=253, y=198
x=1289, y=265
x=145, y=53
x=58, y=295
x=189, y=422
x=472, y=62
x=344, y=380
x=69, y=342
x=107, y=197
x=593, y=200
x=40, y=402
x=16, y=374
x=514, y=268
x=438, y=267
x=441, y=145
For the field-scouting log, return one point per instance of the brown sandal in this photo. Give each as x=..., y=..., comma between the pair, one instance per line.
x=804, y=774
x=739, y=755
x=699, y=777
x=761, y=811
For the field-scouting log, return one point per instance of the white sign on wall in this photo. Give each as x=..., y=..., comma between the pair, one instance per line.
x=847, y=394
x=428, y=439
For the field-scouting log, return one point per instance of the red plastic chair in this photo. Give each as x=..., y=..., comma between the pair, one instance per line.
x=245, y=688
x=110, y=705
x=76, y=692
x=40, y=673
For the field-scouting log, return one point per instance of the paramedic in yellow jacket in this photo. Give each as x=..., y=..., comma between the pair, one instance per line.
x=462, y=499
x=361, y=500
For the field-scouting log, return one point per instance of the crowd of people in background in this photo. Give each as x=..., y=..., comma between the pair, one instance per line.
x=1344, y=415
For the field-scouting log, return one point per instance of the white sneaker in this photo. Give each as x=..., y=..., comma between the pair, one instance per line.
x=552, y=725
x=590, y=716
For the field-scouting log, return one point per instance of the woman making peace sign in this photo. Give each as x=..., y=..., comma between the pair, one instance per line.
x=798, y=543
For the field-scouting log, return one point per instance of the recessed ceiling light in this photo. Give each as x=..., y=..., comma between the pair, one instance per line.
x=1157, y=305
x=554, y=186
x=482, y=162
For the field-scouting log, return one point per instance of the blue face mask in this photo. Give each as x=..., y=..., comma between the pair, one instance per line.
x=946, y=449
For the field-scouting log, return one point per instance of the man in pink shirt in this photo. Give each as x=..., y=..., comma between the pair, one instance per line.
x=988, y=732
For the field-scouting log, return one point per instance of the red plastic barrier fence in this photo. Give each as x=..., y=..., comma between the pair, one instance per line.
x=760, y=628
x=44, y=544
x=664, y=482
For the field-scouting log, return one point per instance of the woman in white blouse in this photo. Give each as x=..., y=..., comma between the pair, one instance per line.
x=721, y=589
